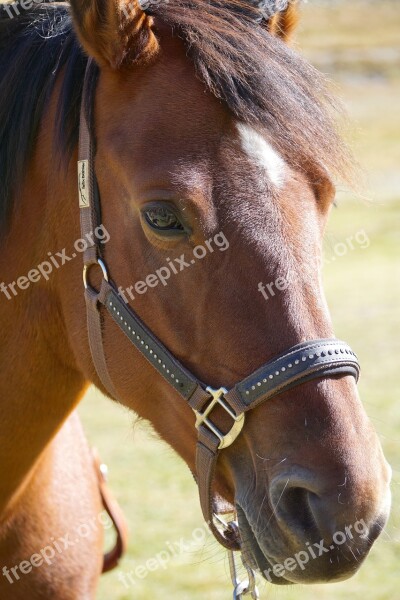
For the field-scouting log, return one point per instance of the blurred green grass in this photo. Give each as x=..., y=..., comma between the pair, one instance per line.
x=363, y=289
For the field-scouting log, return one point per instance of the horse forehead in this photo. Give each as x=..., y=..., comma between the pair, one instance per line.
x=262, y=154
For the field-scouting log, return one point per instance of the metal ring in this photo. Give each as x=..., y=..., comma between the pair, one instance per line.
x=86, y=269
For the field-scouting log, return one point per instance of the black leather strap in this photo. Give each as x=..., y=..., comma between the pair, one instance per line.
x=151, y=348
x=303, y=362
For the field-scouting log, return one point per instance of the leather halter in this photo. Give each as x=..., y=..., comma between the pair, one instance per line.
x=309, y=360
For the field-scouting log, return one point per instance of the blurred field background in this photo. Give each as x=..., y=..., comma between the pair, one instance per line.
x=358, y=44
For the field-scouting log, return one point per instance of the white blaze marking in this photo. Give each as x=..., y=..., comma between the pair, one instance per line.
x=262, y=153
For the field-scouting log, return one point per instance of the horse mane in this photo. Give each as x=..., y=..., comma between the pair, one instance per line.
x=34, y=47
x=260, y=78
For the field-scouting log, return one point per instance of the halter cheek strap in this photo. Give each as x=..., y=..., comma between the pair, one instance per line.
x=301, y=363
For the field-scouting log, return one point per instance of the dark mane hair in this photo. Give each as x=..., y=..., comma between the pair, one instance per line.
x=262, y=81
x=34, y=47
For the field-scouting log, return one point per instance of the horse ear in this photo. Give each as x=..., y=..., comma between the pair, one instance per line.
x=284, y=23
x=114, y=33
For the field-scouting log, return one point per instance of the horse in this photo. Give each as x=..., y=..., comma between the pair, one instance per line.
x=210, y=150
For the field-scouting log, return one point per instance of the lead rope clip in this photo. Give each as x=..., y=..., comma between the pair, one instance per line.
x=247, y=586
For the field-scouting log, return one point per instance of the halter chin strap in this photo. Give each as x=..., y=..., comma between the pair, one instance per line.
x=301, y=363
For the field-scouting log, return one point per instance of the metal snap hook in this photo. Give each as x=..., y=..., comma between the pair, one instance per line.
x=247, y=586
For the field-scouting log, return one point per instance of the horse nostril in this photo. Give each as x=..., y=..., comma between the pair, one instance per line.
x=291, y=505
x=311, y=515
x=302, y=506
x=296, y=502
x=305, y=507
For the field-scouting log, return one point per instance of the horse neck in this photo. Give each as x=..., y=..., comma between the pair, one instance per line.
x=39, y=381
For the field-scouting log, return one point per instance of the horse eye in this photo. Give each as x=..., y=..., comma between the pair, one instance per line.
x=162, y=218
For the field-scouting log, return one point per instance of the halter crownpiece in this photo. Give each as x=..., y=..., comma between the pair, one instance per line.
x=306, y=361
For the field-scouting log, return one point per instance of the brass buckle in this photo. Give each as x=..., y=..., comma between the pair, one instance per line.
x=202, y=418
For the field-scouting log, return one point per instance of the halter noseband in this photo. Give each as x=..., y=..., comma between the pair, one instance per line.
x=303, y=362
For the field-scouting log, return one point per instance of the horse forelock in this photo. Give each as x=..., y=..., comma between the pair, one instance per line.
x=263, y=82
